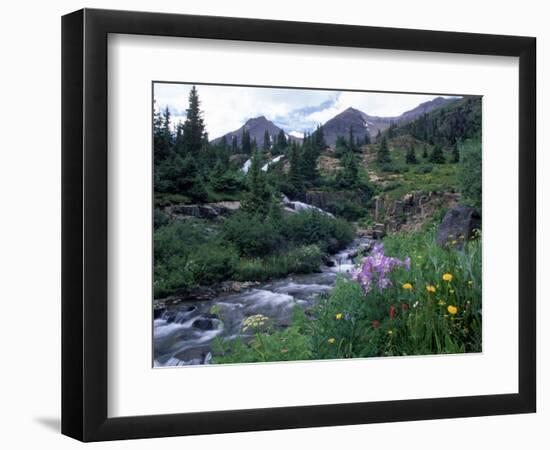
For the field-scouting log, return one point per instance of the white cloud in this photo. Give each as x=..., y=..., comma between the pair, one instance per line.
x=226, y=108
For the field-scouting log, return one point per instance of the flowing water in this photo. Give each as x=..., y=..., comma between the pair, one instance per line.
x=184, y=333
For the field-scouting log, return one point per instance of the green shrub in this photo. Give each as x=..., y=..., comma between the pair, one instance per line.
x=251, y=234
x=212, y=262
x=312, y=227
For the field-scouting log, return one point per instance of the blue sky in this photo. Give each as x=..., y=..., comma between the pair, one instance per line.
x=226, y=108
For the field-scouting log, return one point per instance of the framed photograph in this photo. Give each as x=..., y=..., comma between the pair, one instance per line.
x=273, y=224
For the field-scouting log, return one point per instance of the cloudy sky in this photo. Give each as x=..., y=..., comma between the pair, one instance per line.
x=226, y=108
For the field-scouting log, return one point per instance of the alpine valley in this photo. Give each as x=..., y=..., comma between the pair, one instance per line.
x=360, y=237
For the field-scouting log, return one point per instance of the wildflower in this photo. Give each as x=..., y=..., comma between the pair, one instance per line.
x=393, y=312
x=331, y=341
x=390, y=332
x=451, y=291
x=453, y=242
x=447, y=277
x=452, y=309
x=441, y=303
x=405, y=306
x=375, y=324
x=407, y=286
x=470, y=283
x=284, y=350
x=376, y=267
x=431, y=289
x=347, y=316
x=415, y=304
x=339, y=316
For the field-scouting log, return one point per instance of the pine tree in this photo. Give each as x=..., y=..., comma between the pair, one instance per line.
x=437, y=156
x=455, y=153
x=246, y=145
x=234, y=145
x=193, y=127
x=295, y=172
x=281, y=140
x=162, y=136
x=383, y=156
x=425, y=152
x=367, y=138
x=267, y=141
x=410, y=158
x=351, y=140
x=258, y=198
x=378, y=135
x=348, y=176
x=309, y=161
x=319, y=139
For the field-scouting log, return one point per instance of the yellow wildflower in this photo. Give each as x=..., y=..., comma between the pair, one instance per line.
x=431, y=289
x=331, y=340
x=453, y=242
x=447, y=277
x=407, y=286
x=339, y=316
x=452, y=309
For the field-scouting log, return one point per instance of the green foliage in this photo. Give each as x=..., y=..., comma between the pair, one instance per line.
x=437, y=156
x=383, y=156
x=252, y=234
x=185, y=257
x=159, y=218
x=258, y=198
x=304, y=259
x=421, y=322
x=275, y=345
x=469, y=172
x=193, y=127
x=411, y=155
x=458, y=120
x=311, y=227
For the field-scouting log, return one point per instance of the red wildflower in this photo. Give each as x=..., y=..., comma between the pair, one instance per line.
x=405, y=306
x=393, y=312
x=375, y=324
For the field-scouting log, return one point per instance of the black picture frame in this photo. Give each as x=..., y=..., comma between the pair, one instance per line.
x=84, y=224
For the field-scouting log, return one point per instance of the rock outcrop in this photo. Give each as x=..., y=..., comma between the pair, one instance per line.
x=207, y=211
x=459, y=225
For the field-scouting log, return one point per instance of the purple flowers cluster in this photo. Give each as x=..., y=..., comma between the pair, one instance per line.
x=376, y=267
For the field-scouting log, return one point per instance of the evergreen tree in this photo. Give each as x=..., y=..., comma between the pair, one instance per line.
x=348, y=176
x=162, y=136
x=425, y=152
x=267, y=141
x=351, y=140
x=367, y=138
x=295, y=172
x=437, y=156
x=319, y=139
x=258, y=198
x=383, y=156
x=455, y=153
x=309, y=161
x=281, y=140
x=246, y=145
x=341, y=146
x=193, y=127
x=234, y=145
x=179, y=145
x=378, y=135
x=410, y=158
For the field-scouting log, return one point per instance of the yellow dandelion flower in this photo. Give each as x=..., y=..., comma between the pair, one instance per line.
x=431, y=289
x=407, y=286
x=452, y=309
x=339, y=316
x=447, y=277
x=331, y=340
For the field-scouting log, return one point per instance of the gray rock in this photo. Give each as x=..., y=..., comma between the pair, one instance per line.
x=458, y=226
